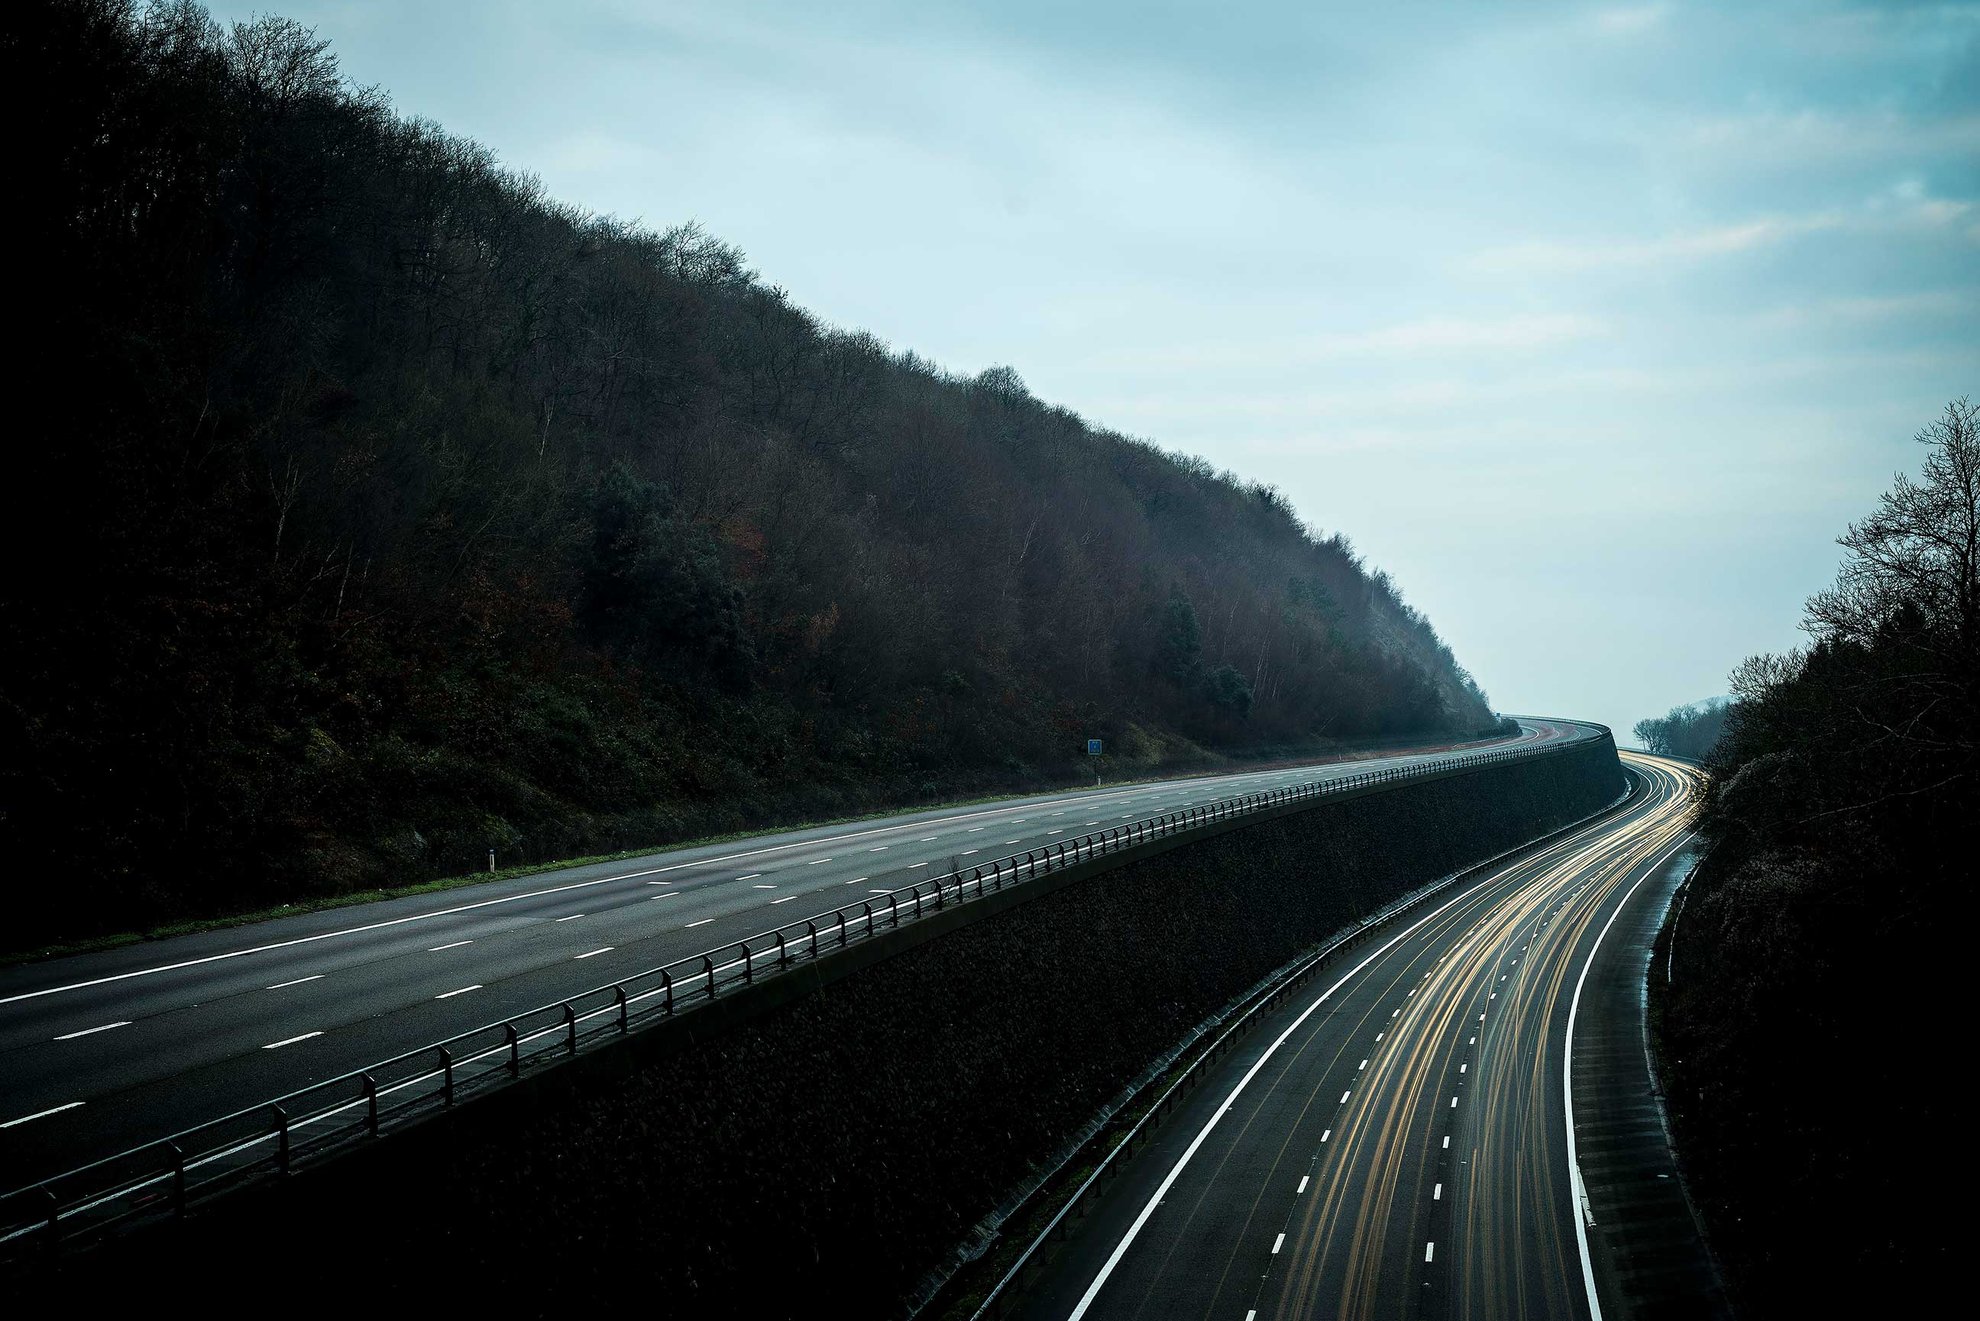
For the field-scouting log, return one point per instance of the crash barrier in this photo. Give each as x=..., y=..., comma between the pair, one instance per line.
x=165, y=1178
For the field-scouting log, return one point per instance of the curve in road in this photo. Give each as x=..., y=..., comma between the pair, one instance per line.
x=102, y=1052
x=1399, y=1144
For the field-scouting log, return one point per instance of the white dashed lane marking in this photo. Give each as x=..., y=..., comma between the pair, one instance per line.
x=92, y=1031
x=40, y=1114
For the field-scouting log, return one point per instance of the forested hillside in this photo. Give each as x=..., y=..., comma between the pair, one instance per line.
x=369, y=509
x=1690, y=731
x=1824, y=928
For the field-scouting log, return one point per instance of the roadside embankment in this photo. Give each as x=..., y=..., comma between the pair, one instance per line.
x=830, y=1149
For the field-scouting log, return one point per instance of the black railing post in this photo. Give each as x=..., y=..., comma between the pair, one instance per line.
x=841, y=915
x=570, y=1029
x=868, y=907
x=370, y=1105
x=619, y=998
x=783, y=954
x=178, y=1178
x=666, y=993
x=281, y=1138
x=893, y=911
x=749, y=967
x=708, y=967
x=447, y=1075
x=811, y=929
x=514, y=1044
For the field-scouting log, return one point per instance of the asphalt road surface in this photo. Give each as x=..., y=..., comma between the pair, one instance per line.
x=103, y=1052
x=1396, y=1143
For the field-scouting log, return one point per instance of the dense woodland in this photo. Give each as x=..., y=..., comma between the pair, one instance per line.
x=1820, y=956
x=1689, y=731
x=370, y=509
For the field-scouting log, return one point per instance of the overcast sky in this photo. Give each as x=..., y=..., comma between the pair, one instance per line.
x=1592, y=325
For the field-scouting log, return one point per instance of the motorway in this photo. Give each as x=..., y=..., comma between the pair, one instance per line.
x=103, y=1052
x=1397, y=1142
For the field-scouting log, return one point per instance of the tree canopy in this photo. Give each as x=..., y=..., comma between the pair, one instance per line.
x=371, y=508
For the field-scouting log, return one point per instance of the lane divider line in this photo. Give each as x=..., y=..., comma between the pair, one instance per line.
x=1175, y=1172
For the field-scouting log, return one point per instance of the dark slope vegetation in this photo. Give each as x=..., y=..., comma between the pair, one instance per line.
x=1810, y=1027
x=369, y=508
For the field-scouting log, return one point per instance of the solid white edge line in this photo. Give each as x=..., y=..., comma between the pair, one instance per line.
x=1577, y=1193
x=290, y=1041
x=1168, y=1181
x=313, y=977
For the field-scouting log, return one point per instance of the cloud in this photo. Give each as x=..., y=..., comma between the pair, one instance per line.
x=1545, y=256
x=1629, y=20
x=1861, y=311
x=1445, y=334
x=1439, y=337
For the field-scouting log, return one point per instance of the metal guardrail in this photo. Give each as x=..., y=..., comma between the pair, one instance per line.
x=166, y=1177
x=1229, y=1026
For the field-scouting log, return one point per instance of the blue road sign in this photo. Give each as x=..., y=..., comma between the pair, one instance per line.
x=1093, y=747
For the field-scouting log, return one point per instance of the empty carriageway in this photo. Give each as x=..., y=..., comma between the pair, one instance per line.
x=111, y=1050
x=1397, y=1142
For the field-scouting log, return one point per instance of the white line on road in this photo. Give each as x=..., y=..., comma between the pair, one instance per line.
x=593, y=954
x=92, y=1031
x=1577, y=1191
x=290, y=1041
x=575, y=916
x=815, y=861
x=487, y=903
x=40, y=1114
x=1437, y=1193
x=762, y=887
x=786, y=899
x=702, y=923
x=313, y=977
x=1345, y=1096
x=1326, y=1133
x=1278, y=1243
x=456, y=945
x=752, y=876
x=1203, y=1134
x=1429, y=1251
x=1303, y=1180
x=448, y=995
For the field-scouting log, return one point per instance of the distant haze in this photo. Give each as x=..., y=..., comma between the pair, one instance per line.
x=1593, y=326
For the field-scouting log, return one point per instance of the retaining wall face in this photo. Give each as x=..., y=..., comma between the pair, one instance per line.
x=839, y=1147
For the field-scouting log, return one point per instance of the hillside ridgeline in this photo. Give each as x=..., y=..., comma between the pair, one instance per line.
x=374, y=509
